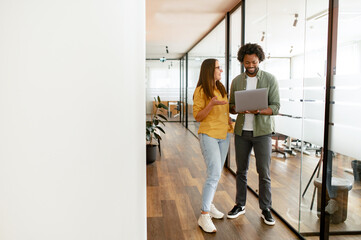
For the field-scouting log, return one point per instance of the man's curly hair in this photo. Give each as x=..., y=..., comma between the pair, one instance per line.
x=250, y=48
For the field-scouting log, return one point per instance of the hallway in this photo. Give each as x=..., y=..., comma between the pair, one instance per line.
x=174, y=186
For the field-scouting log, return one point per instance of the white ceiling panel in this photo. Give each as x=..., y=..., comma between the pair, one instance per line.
x=179, y=24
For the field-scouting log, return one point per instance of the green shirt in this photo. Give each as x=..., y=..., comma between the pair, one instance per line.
x=262, y=124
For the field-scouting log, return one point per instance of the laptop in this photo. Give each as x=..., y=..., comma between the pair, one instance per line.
x=255, y=99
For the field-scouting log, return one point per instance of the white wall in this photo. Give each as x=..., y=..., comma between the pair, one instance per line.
x=72, y=116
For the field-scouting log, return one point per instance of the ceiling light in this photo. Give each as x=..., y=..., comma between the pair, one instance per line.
x=262, y=38
x=318, y=15
x=296, y=20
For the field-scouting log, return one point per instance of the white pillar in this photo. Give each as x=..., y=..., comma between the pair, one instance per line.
x=72, y=119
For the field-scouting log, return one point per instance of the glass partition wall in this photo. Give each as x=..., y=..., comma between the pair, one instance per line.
x=295, y=40
x=162, y=79
x=234, y=70
x=295, y=37
x=212, y=46
x=345, y=130
x=280, y=32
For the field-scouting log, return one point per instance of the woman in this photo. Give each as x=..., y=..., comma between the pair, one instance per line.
x=211, y=110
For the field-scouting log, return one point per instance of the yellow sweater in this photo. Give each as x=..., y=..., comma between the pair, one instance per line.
x=215, y=124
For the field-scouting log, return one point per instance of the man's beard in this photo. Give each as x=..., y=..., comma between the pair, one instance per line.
x=254, y=72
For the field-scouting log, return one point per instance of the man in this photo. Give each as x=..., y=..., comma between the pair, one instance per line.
x=253, y=129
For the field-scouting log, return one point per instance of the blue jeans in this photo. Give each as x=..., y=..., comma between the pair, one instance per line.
x=214, y=153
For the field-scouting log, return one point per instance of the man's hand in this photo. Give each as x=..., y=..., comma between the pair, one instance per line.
x=253, y=112
x=246, y=112
x=231, y=110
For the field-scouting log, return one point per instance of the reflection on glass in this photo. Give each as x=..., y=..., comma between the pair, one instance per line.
x=255, y=26
x=235, y=69
x=345, y=129
x=212, y=46
x=313, y=90
x=182, y=93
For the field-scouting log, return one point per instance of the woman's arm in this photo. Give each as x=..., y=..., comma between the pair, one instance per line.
x=205, y=111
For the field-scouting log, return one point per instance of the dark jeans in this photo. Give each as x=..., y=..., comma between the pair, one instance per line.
x=262, y=147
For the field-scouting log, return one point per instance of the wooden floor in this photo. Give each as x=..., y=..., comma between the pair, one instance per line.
x=289, y=179
x=174, y=187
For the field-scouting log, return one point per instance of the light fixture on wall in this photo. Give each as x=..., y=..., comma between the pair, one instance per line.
x=296, y=20
x=262, y=38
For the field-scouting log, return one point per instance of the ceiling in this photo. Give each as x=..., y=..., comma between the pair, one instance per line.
x=180, y=24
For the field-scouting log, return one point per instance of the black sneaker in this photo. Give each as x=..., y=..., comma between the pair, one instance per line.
x=267, y=217
x=236, y=211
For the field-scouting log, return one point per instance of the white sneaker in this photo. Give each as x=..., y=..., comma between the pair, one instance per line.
x=332, y=206
x=205, y=222
x=215, y=213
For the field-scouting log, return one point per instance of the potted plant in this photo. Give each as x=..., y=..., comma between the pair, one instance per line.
x=153, y=129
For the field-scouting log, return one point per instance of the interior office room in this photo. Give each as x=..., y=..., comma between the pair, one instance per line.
x=313, y=48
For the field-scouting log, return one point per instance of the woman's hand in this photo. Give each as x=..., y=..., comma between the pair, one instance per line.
x=214, y=101
x=204, y=112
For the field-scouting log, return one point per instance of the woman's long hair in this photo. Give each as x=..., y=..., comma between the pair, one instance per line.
x=206, y=79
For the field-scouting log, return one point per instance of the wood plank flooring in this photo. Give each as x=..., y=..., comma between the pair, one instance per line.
x=174, y=187
x=286, y=175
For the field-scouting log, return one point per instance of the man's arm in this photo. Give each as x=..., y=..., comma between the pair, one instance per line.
x=273, y=98
x=231, y=99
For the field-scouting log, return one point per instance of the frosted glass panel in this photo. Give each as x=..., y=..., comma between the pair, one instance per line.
x=314, y=82
x=346, y=140
x=314, y=110
x=313, y=131
x=289, y=126
x=347, y=80
x=347, y=89
x=291, y=108
x=345, y=106
x=291, y=93
x=314, y=94
x=290, y=83
x=346, y=114
x=350, y=95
